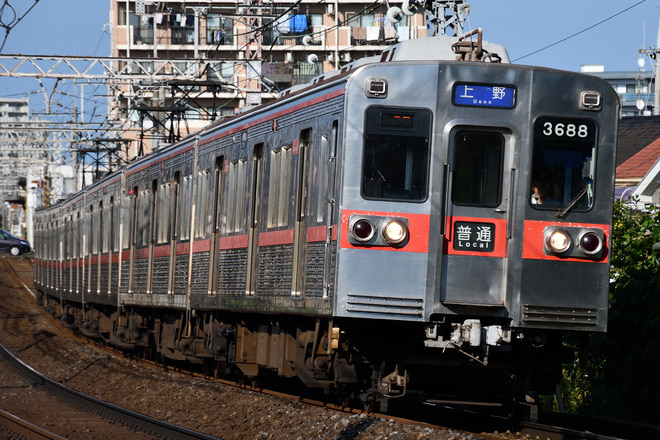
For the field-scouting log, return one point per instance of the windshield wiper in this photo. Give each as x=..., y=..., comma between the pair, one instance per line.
x=568, y=207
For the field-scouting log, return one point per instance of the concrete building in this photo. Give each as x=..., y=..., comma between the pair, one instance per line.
x=635, y=89
x=239, y=53
x=35, y=171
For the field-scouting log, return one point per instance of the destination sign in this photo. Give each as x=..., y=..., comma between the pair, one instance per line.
x=479, y=95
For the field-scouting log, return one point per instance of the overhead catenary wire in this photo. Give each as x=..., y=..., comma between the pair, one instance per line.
x=8, y=25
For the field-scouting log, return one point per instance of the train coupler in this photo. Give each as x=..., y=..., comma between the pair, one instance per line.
x=470, y=333
x=394, y=384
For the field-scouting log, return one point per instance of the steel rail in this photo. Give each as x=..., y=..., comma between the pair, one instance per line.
x=538, y=430
x=98, y=406
x=17, y=278
x=26, y=429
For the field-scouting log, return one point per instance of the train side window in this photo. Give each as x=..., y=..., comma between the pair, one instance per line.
x=279, y=187
x=320, y=170
x=395, y=159
x=75, y=236
x=80, y=250
x=105, y=227
x=144, y=205
x=164, y=213
x=477, y=168
x=129, y=216
x=236, y=182
x=93, y=231
x=116, y=218
x=202, y=203
x=185, y=205
x=563, y=165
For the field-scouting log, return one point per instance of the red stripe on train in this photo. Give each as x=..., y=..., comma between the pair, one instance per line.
x=533, y=239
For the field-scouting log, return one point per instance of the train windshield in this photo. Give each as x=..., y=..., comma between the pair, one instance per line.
x=396, y=152
x=563, y=164
x=477, y=168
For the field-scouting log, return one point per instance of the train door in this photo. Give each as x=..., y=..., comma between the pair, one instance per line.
x=132, y=221
x=109, y=246
x=99, y=236
x=477, y=213
x=78, y=251
x=304, y=152
x=90, y=250
x=218, y=183
x=173, y=230
x=150, y=232
x=253, y=218
x=67, y=254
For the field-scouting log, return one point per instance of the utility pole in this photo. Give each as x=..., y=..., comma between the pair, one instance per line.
x=654, y=54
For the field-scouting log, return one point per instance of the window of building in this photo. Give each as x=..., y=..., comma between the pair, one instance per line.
x=219, y=30
x=143, y=28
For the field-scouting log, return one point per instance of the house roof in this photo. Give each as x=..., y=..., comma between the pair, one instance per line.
x=636, y=133
x=640, y=163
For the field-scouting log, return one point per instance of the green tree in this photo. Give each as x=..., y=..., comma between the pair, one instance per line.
x=621, y=378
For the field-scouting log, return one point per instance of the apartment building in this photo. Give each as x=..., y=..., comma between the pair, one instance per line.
x=239, y=53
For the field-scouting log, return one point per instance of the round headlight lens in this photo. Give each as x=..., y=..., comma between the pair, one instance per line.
x=395, y=232
x=590, y=243
x=363, y=230
x=558, y=241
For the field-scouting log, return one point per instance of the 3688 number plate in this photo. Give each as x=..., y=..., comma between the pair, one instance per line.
x=565, y=129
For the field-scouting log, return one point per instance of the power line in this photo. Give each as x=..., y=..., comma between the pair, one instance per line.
x=11, y=24
x=579, y=32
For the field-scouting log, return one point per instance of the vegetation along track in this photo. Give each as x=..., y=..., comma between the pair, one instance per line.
x=194, y=402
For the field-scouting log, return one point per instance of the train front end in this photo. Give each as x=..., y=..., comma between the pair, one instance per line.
x=475, y=207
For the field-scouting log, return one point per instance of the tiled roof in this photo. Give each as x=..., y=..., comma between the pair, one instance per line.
x=635, y=133
x=638, y=165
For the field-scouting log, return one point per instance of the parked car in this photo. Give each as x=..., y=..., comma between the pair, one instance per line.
x=12, y=244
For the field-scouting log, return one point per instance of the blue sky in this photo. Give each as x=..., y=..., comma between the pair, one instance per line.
x=76, y=27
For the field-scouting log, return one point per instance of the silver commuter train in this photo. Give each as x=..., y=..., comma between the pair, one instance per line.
x=410, y=225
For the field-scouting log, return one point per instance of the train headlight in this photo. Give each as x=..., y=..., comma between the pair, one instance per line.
x=590, y=243
x=395, y=232
x=558, y=241
x=363, y=230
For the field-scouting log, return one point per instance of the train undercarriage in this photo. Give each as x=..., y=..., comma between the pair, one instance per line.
x=370, y=363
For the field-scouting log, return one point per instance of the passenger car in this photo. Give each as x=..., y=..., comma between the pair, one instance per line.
x=12, y=244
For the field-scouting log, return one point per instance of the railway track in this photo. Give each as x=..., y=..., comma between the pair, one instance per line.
x=100, y=413
x=12, y=426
